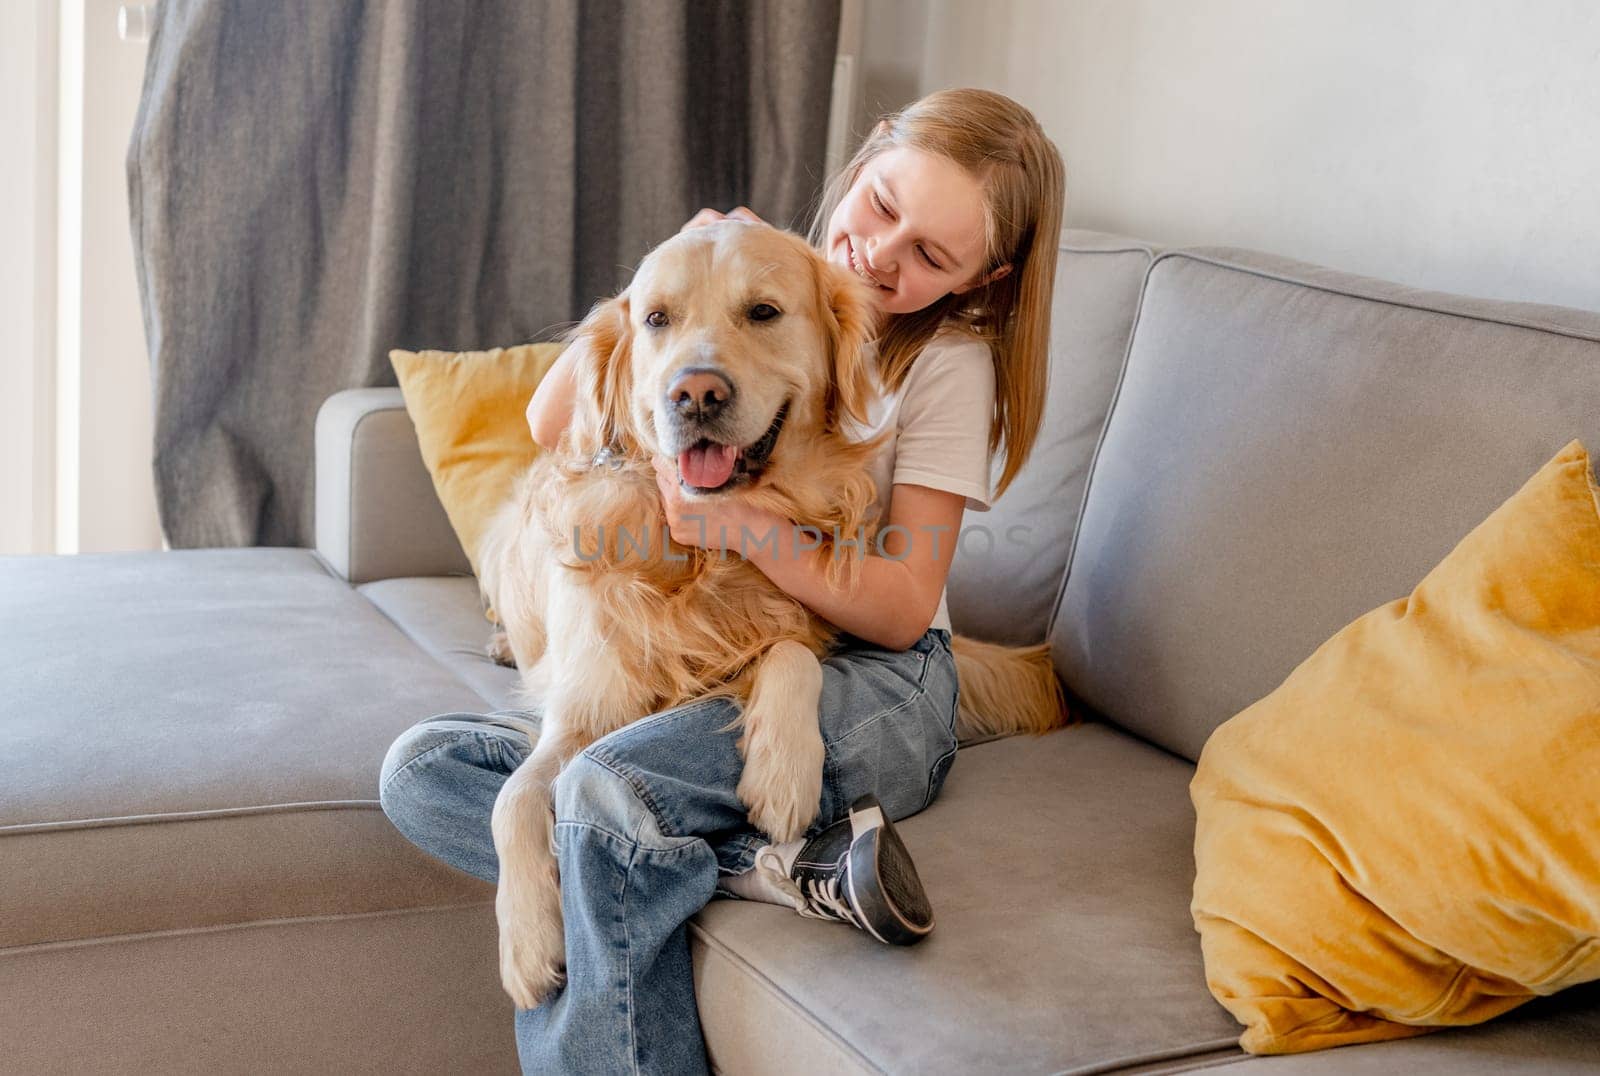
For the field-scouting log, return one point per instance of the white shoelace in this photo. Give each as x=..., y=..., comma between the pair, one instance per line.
x=823, y=902
x=768, y=881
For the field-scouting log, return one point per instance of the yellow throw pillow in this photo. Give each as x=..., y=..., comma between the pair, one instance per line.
x=1405, y=835
x=469, y=408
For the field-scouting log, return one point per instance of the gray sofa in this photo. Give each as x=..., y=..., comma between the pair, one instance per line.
x=1241, y=454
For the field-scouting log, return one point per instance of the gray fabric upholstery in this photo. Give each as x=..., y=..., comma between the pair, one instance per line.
x=372, y=486
x=446, y=618
x=404, y=993
x=1290, y=447
x=749, y=1038
x=194, y=741
x=312, y=185
x=194, y=867
x=1060, y=868
x=1003, y=589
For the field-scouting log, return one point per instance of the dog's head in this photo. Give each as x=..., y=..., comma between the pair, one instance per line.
x=732, y=338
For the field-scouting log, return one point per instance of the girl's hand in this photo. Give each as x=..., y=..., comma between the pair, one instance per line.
x=717, y=523
x=709, y=216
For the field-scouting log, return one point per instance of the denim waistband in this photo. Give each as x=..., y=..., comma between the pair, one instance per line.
x=930, y=639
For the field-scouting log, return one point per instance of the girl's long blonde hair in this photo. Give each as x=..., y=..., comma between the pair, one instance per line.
x=1001, y=145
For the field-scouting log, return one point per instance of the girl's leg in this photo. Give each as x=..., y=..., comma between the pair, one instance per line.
x=440, y=779
x=622, y=889
x=647, y=818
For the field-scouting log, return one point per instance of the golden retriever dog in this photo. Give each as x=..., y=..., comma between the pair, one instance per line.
x=610, y=621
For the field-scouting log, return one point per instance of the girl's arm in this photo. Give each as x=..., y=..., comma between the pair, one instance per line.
x=896, y=595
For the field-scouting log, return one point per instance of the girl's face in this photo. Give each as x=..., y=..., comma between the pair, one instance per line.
x=911, y=224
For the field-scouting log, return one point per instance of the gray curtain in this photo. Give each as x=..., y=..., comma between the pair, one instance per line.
x=315, y=183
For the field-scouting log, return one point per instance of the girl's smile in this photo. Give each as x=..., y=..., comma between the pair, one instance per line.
x=912, y=225
x=855, y=264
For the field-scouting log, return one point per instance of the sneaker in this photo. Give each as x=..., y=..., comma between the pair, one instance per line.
x=858, y=871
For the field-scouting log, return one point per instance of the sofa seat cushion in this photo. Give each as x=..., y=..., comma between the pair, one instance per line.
x=1060, y=870
x=193, y=739
x=444, y=616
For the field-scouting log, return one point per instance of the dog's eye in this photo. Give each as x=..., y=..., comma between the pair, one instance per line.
x=656, y=319
x=763, y=312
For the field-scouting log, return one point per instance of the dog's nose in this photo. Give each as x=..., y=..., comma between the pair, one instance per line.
x=699, y=394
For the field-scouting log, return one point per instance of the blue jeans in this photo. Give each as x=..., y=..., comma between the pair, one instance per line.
x=647, y=819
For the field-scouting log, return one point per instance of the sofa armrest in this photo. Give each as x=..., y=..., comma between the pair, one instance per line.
x=377, y=515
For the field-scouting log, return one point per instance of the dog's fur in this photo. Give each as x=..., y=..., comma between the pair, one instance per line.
x=606, y=633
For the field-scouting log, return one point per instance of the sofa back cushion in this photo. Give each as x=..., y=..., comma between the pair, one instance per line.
x=1006, y=579
x=1288, y=447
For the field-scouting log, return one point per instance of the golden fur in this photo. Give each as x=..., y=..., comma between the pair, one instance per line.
x=606, y=632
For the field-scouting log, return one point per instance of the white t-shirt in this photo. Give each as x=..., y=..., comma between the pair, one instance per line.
x=942, y=415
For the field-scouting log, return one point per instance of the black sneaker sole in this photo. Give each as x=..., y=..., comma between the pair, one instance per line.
x=885, y=892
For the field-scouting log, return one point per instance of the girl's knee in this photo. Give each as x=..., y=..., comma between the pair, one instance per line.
x=589, y=791
x=662, y=780
x=445, y=742
x=410, y=745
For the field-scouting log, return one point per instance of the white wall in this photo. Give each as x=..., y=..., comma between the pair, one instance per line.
x=1446, y=145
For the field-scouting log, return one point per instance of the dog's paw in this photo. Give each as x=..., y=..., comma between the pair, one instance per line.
x=533, y=955
x=782, y=782
x=499, y=649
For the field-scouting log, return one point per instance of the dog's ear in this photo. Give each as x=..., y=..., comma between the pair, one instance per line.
x=851, y=319
x=604, y=378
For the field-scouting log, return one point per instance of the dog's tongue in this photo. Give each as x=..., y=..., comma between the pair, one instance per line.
x=707, y=465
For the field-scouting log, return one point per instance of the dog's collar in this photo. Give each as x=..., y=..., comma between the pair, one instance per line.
x=609, y=456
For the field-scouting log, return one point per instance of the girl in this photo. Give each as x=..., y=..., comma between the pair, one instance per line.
x=951, y=210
